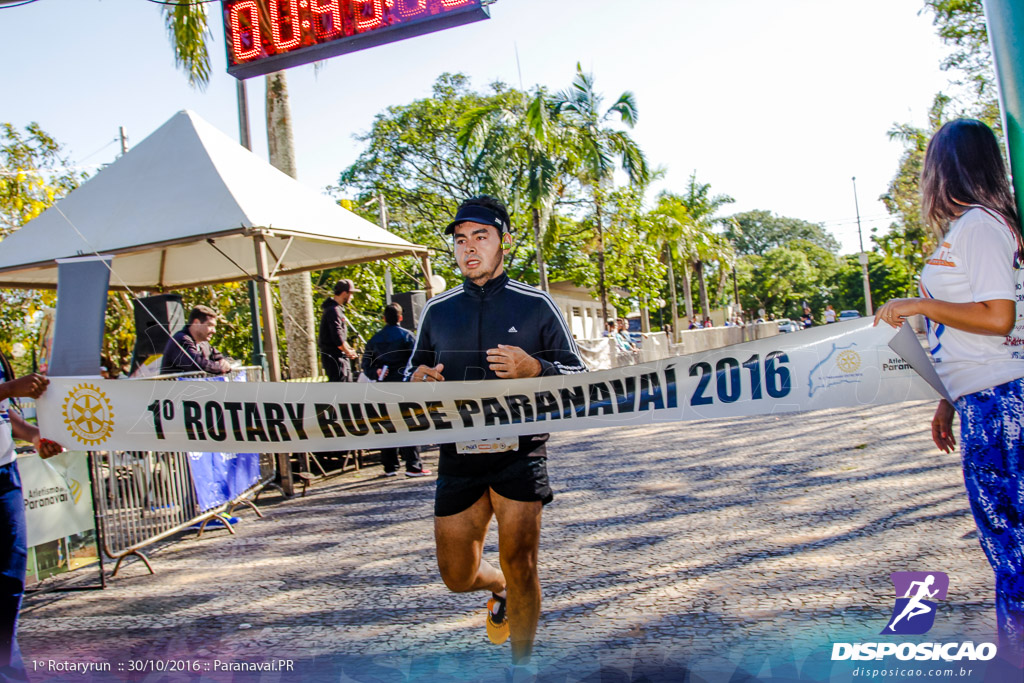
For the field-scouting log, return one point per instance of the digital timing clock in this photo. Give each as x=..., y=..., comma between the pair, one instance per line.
x=270, y=35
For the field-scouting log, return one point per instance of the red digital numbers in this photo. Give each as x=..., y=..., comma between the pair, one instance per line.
x=326, y=17
x=259, y=29
x=244, y=28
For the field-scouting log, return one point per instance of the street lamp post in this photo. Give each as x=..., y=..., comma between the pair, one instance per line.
x=868, y=308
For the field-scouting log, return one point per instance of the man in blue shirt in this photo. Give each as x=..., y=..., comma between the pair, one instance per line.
x=384, y=359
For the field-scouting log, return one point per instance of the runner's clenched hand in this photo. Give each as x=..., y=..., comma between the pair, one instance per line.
x=511, y=362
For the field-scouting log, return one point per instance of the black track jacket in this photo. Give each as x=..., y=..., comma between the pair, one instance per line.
x=458, y=326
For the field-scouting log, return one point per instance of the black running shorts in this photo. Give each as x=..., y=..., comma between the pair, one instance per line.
x=516, y=477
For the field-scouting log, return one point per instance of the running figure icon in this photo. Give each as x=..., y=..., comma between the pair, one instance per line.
x=915, y=607
x=914, y=612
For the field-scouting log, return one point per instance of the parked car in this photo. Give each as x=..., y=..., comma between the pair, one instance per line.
x=848, y=315
x=787, y=325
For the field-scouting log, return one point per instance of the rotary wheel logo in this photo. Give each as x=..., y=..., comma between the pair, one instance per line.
x=848, y=361
x=88, y=414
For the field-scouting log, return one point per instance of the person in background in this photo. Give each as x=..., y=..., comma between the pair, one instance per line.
x=807, y=320
x=335, y=351
x=13, y=535
x=384, y=360
x=830, y=314
x=622, y=334
x=969, y=292
x=189, y=349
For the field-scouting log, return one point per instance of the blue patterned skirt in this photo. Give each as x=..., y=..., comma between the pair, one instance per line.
x=992, y=451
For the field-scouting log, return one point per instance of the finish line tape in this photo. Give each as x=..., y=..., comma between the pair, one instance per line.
x=835, y=366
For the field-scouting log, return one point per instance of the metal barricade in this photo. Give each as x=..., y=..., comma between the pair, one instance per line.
x=143, y=497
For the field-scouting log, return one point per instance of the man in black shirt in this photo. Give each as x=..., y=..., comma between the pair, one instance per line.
x=335, y=352
x=384, y=360
x=492, y=327
x=189, y=349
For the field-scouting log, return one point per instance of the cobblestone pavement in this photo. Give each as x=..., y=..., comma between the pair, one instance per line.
x=734, y=549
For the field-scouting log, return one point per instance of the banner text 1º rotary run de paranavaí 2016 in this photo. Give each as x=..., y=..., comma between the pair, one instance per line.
x=835, y=366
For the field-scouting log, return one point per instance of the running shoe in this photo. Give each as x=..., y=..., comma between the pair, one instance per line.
x=522, y=673
x=497, y=621
x=417, y=473
x=391, y=474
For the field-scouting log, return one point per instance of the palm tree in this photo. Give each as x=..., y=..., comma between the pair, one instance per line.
x=514, y=142
x=671, y=229
x=596, y=146
x=189, y=32
x=702, y=244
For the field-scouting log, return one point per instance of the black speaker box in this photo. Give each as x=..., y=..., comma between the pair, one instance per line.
x=156, y=319
x=412, y=304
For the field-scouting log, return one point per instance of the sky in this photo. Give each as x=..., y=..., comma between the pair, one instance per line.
x=776, y=104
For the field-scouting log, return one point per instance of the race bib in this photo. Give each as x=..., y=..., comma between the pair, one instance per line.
x=487, y=445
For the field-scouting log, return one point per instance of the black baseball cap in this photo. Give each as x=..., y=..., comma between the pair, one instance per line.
x=474, y=213
x=342, y=286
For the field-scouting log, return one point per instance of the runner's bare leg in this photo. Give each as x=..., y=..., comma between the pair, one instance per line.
x=460, y=546
x=518, y=542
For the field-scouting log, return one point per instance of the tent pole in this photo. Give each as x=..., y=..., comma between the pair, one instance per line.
x=258, y=356
x=267, y=309
x=427, y=274
x=284, y=463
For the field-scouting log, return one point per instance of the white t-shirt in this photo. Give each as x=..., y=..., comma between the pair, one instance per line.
x=6, y=437
x=830, y=315
x=976, y=261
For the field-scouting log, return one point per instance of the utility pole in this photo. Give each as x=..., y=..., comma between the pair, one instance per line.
x=259, y=356
x=868, y=308
x=388, y=291
x=124, y=141
x=383, y=216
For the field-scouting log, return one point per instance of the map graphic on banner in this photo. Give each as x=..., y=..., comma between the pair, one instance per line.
x=834, y=366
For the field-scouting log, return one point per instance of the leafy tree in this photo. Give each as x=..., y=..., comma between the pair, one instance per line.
x=414, y=158
x=961, y=24
x=889, y=279
x=34, y=174
x=775, y=281
x=520, y=153
x=596, y=145
x=755, y=232
x=633, y=262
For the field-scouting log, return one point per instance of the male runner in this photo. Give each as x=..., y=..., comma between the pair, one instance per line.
x=492, y=327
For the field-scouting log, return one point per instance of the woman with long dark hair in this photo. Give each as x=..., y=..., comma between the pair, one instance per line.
x=972, y=290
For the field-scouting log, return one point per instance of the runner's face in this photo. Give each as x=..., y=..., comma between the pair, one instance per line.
x=478, y=251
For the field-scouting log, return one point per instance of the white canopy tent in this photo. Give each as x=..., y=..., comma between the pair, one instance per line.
x=180, y=210
x=189, y=206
